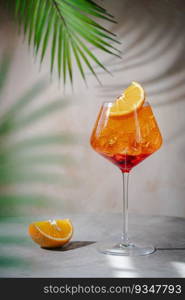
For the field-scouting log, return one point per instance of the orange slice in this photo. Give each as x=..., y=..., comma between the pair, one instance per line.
x=51, y=233
x=131, y=99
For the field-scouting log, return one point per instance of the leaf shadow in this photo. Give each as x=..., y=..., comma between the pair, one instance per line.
x=157, y=35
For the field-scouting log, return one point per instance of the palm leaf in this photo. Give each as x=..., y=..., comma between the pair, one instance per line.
x=10, y=262
x=37, y=141
x=64, y=22
x=11, y=125
x=4, y=69
x=24, y=100
x=31, y=176
x=36, y=159
x=19, y=198
x=29, y=160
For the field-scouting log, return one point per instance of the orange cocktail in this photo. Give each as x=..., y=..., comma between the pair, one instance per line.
x=125, y=133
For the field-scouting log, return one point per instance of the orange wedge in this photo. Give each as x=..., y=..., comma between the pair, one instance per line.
x=131, y=99
x=51, y=233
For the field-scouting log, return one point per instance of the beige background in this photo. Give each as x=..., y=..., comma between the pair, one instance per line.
x=153, y=51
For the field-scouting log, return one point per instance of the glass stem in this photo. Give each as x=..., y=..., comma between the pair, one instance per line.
x=124, y=238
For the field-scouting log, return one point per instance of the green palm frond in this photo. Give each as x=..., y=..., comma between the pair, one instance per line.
x=9, y=262
x=30, y=159
x=18, y=158
x=4, y=69
x=71, y=27
x=28, y=144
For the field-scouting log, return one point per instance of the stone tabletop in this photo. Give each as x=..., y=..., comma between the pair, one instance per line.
x=21, y=257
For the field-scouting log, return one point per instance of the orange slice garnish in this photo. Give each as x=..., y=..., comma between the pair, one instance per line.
x=131, y=99
x=51, y=233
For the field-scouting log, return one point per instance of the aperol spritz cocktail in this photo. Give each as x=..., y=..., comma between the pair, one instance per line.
x=126, y=133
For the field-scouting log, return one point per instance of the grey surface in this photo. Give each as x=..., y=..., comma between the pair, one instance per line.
x=20, y=257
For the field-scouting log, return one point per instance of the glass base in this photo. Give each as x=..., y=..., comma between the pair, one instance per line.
x=120, y=249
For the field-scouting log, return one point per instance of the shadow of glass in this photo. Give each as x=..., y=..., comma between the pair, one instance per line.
x=72, y=246
x=170, y=248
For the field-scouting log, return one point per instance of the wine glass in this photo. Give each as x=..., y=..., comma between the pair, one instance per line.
x=125, y=141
